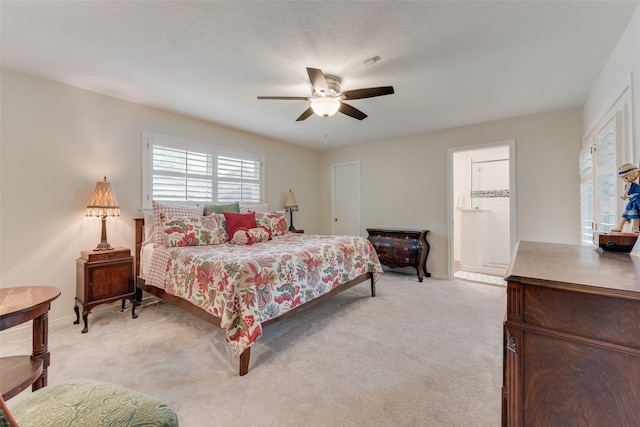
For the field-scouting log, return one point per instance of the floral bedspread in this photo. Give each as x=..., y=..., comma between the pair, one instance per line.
x=247, y=285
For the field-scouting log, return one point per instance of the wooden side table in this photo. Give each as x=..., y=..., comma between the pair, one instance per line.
x=103, y=277
x=18, y=305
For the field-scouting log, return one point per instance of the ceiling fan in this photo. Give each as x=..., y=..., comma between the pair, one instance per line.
x=326, y=98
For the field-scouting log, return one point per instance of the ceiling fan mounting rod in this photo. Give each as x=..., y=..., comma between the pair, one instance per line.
x=334, y=85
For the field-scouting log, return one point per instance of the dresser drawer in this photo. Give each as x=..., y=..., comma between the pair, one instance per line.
x=398, y=255
x=395, y=235
x=395, y=259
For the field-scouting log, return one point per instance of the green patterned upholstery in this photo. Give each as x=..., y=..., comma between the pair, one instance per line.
x=90, y=403
x=4, y=422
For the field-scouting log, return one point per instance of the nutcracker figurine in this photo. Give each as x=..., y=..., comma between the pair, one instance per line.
x=629, y=173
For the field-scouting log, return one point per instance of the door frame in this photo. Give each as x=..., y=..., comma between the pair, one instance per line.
x=511, y=143
x=333, y=191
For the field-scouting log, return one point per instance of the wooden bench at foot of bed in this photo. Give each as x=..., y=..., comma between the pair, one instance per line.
x=204, y=315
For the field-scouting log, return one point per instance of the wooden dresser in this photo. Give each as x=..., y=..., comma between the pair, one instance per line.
x=397, y=247
x=571, y=337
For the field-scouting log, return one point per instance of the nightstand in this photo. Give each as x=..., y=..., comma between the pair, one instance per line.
x=103, y=277
x=299, y=231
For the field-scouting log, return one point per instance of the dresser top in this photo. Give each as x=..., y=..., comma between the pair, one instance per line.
x=396, y=230
x=572, y=266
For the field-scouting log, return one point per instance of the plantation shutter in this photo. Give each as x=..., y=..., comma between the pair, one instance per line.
x=238, y=179
x=178, y=170
x=182, y=174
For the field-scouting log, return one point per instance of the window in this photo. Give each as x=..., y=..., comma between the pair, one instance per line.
x=180, y=174
x=180, y=170
x=587, y=224
x=238, y=179
x=607, y=146
x=606, y=179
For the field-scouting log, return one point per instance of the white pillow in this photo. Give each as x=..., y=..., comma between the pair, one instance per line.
x=254, y=207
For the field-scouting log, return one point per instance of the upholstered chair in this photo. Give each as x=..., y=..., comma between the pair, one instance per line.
x=86, y=403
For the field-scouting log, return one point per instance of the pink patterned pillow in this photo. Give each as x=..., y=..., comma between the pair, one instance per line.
x=172, y=211
x=250, y=236
x=274, y=221
x=193, y=231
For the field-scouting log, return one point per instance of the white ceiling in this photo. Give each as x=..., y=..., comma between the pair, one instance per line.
x=451, y=62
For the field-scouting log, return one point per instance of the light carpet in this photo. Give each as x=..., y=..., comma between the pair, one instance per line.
x=418, y=354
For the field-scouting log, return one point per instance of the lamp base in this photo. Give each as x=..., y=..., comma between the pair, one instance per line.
x=103, y=246
x=291, y=227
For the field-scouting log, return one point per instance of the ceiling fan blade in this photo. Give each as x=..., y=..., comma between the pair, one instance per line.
x=351, y=111
x=308, y=112
x=367, y=93
x=294, y=98
x=318, y=81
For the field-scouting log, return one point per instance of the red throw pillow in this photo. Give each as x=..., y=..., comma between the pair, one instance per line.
x=238, y=220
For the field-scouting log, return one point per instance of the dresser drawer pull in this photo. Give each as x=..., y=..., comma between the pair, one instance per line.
x=511, y=343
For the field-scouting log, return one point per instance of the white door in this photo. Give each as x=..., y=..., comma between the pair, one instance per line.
x=345, y=199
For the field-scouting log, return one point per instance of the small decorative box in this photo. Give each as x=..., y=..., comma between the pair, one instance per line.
x=617, y=241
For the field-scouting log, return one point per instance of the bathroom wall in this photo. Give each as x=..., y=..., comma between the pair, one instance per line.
x=481, y=209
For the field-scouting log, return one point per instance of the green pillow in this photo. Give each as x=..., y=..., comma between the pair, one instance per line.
x=230, y=207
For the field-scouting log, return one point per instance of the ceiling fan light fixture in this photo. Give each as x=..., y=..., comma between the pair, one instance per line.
x=325, y=106
x=326, y=96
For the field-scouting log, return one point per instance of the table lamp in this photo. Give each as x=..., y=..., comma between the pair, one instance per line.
x=103, y=203
x=290, y=204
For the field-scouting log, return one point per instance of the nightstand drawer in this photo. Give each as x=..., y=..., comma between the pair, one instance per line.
x=105, y=255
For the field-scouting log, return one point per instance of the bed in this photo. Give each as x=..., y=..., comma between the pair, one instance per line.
x=244, y=287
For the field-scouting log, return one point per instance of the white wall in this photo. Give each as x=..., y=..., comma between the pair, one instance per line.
x=57, y=141
x=623, y=66
x=404, y=181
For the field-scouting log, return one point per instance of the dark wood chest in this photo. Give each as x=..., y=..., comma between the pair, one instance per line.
x=398, y=247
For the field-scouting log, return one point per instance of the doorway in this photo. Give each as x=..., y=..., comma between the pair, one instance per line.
x=345, y=199
x=481, y=211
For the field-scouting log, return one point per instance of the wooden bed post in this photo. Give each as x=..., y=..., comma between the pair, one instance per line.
x=373, y=285
x=244, y=361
